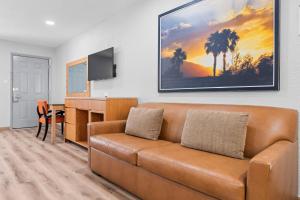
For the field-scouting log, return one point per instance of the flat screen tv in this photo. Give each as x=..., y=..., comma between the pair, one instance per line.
x=101, y=65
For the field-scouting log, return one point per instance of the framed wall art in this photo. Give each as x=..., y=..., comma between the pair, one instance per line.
x=211, y=45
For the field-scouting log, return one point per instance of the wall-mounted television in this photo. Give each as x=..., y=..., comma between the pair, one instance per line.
x=101, y=65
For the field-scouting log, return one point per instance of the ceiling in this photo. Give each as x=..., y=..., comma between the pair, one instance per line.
x=24, y=20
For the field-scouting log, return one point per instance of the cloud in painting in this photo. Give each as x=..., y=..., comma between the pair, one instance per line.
x=258, y=3
x=179, y=27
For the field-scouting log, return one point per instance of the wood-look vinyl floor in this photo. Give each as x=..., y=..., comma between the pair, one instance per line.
x=34, y=170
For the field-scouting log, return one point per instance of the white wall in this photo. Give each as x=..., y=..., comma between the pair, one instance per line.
x=133, y=33
x=6, y=48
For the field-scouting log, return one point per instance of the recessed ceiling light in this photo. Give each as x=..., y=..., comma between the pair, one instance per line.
x=50, y=23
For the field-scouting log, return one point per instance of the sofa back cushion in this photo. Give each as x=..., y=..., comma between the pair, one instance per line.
x=216, y=131
x=144, y=122
x=266, y=125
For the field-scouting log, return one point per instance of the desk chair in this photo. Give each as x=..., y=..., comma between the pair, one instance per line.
x=45, y=117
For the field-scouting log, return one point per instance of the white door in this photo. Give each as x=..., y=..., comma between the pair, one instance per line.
x=30, y=82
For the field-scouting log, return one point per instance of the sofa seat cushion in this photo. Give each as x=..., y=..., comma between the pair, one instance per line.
x=215, y=175
x=122, y=146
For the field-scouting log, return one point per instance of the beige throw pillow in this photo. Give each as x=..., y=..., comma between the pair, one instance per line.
x=217, y=132
x=144, y=122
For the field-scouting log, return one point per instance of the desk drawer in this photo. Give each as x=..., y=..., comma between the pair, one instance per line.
x=82, y=104
x=70, y=132
x=97, y=105
x=70, y=115
x=70, y=103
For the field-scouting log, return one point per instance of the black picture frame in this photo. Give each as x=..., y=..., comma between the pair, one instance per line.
x=276, y=77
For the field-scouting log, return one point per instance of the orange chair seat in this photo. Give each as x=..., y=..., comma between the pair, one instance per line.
x=59, y=119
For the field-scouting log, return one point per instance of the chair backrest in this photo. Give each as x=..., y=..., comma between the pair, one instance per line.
x=43, y=105
x=266, y=126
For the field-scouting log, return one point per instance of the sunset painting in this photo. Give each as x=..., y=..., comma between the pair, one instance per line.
x=219, y=45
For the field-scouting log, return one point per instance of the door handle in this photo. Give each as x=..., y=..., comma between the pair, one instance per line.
x=16, y=98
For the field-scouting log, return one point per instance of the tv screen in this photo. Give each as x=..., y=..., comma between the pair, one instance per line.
x=101, y=65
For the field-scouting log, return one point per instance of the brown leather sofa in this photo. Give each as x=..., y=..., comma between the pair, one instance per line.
x=164, y=169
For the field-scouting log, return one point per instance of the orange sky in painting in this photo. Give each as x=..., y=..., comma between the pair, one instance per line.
x=253, y=25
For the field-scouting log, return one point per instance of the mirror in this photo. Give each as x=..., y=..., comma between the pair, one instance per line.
x=77, y=79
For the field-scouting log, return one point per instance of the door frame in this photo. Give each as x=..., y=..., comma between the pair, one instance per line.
x=11, y=78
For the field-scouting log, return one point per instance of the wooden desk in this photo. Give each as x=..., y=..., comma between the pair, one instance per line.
x=54, y=108
x=80, y=111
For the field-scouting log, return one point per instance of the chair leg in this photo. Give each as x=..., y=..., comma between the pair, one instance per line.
x=46, y=130
x=62, y=128
x=39, y=130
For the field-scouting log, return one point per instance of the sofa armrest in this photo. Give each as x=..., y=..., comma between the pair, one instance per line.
x=273, y=173
x=96, y=128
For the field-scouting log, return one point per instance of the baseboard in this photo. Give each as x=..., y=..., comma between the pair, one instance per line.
x=4, y=128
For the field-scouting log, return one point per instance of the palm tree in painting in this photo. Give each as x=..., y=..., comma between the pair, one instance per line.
x=178, y=58
x=229, y=42
x=214, y=46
